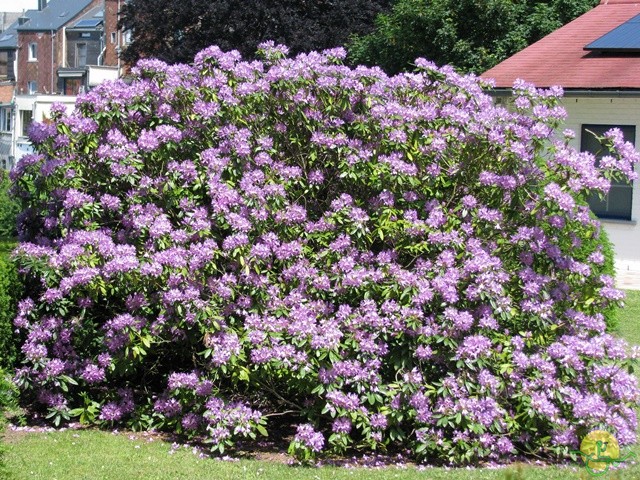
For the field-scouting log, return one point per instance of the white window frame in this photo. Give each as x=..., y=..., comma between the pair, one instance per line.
x=33, y=52
x=26, y=118
x=5, y=119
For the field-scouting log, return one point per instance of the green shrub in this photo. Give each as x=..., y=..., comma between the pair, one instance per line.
x=10, y=290
x=611, y=311
x=8, y=403
x=9, y=207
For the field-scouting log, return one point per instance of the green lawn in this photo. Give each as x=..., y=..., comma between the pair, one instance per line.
x=629, y=327
x=95, y=455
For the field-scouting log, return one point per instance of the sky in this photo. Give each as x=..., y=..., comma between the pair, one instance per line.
x=17, y=5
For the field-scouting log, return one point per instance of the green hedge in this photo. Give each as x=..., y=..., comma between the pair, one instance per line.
x=9, y=207
x=10, y=291
x=611, y=312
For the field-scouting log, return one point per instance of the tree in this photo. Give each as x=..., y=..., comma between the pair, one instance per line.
x=175, y=30
x=472, y=35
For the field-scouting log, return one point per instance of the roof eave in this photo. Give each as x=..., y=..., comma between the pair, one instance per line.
x=576, y=92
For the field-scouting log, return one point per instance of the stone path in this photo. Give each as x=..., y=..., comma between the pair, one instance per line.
x=628, y=275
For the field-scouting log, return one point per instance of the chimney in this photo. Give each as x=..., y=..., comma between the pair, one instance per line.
x=42, y=4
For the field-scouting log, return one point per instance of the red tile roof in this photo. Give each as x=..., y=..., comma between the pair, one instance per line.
x=559, y=58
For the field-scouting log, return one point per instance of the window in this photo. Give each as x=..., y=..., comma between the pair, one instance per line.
x=32, y=87
x=81, y=55
x=617, y=203
x=4, y=65
x=5, y=119
x=113, y=37
x=26, y=117
x=33, y=52
x=72, y=86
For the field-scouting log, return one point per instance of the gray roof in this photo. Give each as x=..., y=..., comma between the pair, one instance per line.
x=89, y=21
x=54, y=16
x=7, y=18
x=9, y=38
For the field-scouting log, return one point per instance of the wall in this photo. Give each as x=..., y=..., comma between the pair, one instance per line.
x=92, y=43
x=111, y=26
x=613, y=110
x=50, y=56
x=39, y=70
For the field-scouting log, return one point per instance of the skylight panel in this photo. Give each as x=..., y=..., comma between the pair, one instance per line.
x=624, y=38
x=88, y=23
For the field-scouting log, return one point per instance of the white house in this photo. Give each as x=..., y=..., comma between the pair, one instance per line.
x=596, y=59
x=30, y=108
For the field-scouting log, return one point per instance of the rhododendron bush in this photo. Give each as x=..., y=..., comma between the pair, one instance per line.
x=388, y=262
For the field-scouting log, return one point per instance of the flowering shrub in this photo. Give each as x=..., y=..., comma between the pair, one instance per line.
x=395, y=261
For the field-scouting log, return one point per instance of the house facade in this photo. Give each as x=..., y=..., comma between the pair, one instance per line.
x=52, y=54
x=596, y=59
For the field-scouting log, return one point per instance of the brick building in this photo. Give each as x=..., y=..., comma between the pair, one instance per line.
x=51, y=55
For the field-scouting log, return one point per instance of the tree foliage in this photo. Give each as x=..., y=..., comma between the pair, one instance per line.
x=469, y=34
x=175, y=30
x=392, y=262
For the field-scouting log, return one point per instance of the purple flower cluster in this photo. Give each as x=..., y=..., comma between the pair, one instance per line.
x=395, y=259
x=307, y=436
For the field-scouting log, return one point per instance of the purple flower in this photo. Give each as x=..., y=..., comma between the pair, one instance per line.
x=191, y=421
x=462, y=321
x=378, y=420
x=76, y=199
x=148, y=140
x=235, y=241
x=504, y=446
x=474, y=347
x=307, y=436
x=169, y=407
x=93, y=374
x=111, y=412
x=341, y=425
x=183, y=380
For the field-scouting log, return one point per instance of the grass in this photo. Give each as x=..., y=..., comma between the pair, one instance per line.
x=91, y=454
x=629, y=327
x=97, y=455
